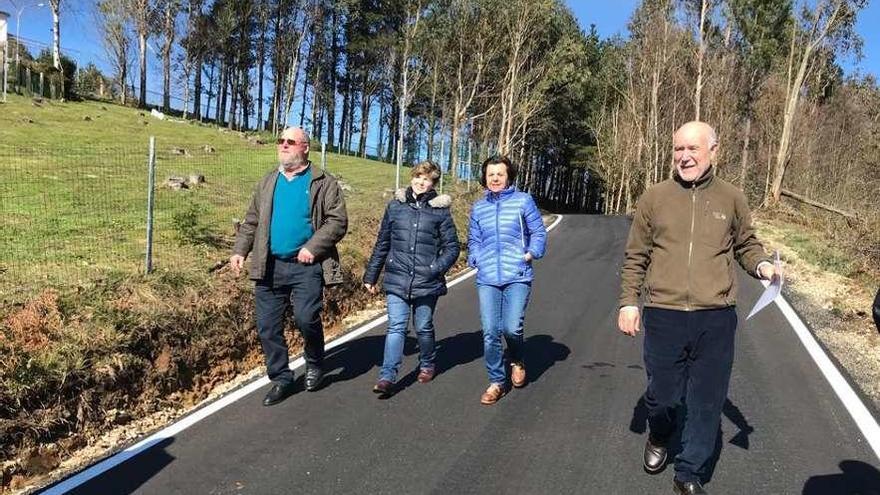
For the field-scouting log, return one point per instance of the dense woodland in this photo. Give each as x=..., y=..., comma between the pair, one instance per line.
x=589, y=119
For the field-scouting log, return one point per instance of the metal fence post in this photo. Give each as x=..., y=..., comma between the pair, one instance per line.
x=323, y=155
x=151, y=180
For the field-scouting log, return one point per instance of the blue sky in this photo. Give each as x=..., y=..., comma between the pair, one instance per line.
x=81, y=40
x=611, y=17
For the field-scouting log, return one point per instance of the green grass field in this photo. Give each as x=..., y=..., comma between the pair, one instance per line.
x=73, y=193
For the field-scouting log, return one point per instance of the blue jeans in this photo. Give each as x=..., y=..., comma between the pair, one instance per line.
x=502, y=310
x=399, y=309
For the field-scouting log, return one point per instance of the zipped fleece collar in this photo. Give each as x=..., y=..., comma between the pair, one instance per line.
x=703, y=182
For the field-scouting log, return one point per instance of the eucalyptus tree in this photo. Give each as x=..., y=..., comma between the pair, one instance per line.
x=195, y=43
x=113, y=23
x=55, y=7
x=762, y=29
x=143, y=15
x=830, y=26
x=472, y=48
x=169, y=10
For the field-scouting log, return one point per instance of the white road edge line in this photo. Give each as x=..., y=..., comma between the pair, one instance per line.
x=863, y=418
x=177, y=427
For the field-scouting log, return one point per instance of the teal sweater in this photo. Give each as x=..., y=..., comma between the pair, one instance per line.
x=291, y=224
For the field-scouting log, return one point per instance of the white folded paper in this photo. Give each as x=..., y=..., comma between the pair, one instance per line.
x=771, y=291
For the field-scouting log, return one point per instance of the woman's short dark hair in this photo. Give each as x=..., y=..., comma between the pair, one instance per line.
x=495, y=160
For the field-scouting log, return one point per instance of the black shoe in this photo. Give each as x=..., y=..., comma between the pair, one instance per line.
x=655, y=456
x=278, y=393
x=688, y=487
x=314, y=376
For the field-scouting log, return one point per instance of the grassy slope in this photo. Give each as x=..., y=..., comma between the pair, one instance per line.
x=107, y=338
x=74, y=193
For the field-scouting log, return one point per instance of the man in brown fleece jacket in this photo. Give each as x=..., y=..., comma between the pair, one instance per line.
x=684, y=236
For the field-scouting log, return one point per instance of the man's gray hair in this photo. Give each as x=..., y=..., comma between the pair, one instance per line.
x=713, y=137
x=305, y=132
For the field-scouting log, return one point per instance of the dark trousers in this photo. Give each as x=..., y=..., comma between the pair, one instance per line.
x=690, y=355
x=289, y=283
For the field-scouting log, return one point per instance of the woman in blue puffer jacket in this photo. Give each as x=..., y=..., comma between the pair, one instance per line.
x=506, y=235
x=417, y=244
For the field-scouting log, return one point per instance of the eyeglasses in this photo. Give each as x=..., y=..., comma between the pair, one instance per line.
x=290, y=142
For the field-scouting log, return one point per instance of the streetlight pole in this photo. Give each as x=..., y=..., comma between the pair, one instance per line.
x=17, y=39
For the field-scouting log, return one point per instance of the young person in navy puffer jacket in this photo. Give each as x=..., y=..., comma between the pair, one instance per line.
x=417, y=244
x=506, y=235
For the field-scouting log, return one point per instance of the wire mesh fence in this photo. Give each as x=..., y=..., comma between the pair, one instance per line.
x=74, y=215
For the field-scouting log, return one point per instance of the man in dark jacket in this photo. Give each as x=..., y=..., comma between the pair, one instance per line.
x=685, y=233
x=296, y=218
x=417, y=244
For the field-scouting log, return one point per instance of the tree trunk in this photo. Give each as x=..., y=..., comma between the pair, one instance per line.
x=142, y=46
x=234, y=81
x=123, y=74
x=701, y=55
x=166, y=56
x=345, y=91
x=744, y=156
x=56, y=35
x=365, y=125
x=246, y=99
x=220, y=120
x=331, y=89
x=261, y=62
x=432, y=114
x=352, y=106
x=197, y=89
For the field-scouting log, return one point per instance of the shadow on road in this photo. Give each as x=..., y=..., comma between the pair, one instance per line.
x=855, y=478
x=639, y=424
x=352, y=359
x=131, y=474
x=541, y=353
x=455, y=350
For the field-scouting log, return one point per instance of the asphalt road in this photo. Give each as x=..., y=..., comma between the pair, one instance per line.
x=578, y=427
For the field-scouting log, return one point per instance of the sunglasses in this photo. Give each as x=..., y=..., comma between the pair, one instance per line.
x=290, y=142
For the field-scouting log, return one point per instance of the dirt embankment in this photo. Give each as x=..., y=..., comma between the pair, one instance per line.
x=81, y=379
x=837, y=308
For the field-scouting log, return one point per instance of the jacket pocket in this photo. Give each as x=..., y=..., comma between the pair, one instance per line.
x=716, y=227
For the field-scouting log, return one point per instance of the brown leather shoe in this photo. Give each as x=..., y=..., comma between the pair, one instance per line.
x=426, y=375
x=517, y=374
x=492, y=394
x=383, y=388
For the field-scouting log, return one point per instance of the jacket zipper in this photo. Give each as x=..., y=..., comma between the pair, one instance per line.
x=687, y=305
x=498, y=239
x=412, y=251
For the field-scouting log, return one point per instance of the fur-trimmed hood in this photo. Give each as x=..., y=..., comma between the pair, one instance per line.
x=439, y=201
